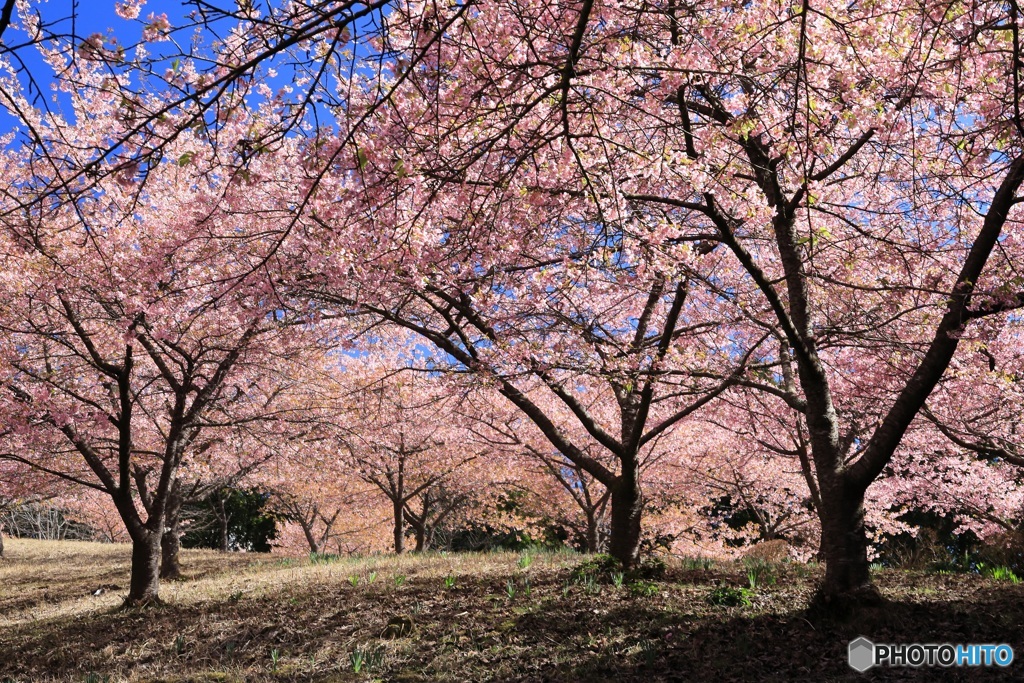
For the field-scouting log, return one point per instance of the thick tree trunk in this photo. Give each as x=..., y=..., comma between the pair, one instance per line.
x=627, y=510
x=170, y=542
x=847, y=585
x=170, y=550
x=144, y=587
x=1, y=543
x=400, y=527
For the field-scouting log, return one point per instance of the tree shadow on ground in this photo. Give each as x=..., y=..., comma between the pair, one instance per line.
x=561, y=631
x=790, y=647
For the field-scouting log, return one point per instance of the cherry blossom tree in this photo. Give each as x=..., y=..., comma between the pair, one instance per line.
x=218, y=459
x=570, y=315
x=335, y=511
x=837, y=181
x=324, y=503
x=105, y=418
x=127, y=331
x=405, y=430
x=611, y=214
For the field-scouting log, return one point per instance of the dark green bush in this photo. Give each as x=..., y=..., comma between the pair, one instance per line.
x=727, y=596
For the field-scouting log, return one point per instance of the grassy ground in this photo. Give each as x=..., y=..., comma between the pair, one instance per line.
x=250, y=618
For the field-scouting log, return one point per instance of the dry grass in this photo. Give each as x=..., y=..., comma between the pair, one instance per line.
x=42, y=580
x=250, y=618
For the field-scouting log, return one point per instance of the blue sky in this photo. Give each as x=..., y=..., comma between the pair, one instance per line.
x=75, y=21
x=81, y=19
x=85, y=18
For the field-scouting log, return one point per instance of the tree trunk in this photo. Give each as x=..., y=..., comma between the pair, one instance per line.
x=170, y=542
x=170, y=546
x=144, y=588
x=307, y=530
x=400, y=527
x=1, y=543
x=421, y=537
x=844, y=545
x=593, y=539
x=627, y=510
x=222, y=523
